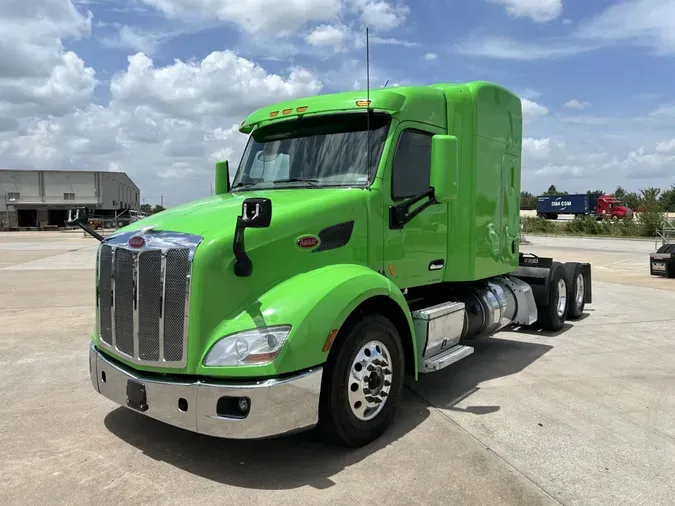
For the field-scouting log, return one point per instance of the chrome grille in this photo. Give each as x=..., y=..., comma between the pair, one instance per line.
x=144, y=297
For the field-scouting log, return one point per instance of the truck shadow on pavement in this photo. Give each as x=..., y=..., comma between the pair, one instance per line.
x=303, y=459
x=281, y=463
x=493, y=358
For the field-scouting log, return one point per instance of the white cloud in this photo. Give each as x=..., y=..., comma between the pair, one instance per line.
x=430, y=56
x=328, y=35
x=538, y=10
x=532, y=110
x=258, y=17
x=162, y=123
x=576, y=104
x=534, y=148
x=666, y=146
x=221, y=84
x=36, y=73
x=138, y=39
x=382, y=15
x=504, y=48
x=646, y=22
x=530, y=93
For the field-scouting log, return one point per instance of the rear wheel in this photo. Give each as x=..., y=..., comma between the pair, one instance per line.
x=362, y=381
x=576, y=290
x=553, y=316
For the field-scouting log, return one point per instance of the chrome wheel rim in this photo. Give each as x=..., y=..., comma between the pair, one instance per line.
x=579, y=296
x=562, y=297
x=369, y=380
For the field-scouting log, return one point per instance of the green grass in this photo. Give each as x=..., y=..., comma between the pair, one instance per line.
x=645, y=226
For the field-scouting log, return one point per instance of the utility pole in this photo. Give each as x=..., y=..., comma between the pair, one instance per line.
x=162, y=201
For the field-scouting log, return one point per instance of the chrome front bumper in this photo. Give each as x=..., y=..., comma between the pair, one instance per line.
x=277, y=406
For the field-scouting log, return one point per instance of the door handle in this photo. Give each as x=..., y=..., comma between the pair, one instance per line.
x=436, y=265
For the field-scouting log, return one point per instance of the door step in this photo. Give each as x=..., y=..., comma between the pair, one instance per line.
x=438, y=362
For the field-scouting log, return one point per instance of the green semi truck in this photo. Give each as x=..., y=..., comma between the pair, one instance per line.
x=366, y=237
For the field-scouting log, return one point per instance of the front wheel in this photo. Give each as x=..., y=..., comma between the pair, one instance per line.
x=362, y=384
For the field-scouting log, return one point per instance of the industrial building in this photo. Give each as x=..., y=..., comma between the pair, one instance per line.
x=39, y=199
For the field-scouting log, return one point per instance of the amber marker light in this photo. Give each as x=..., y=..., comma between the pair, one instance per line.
x=329, y=340
x=363, y=103
x=302, y=108
x=274, y=114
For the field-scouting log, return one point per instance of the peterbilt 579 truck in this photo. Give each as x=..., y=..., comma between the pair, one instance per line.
x=366, y=237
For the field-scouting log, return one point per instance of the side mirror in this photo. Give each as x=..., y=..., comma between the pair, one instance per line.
x=444, y=167
x=78, y=216
x=222, y=178
x=255, y=213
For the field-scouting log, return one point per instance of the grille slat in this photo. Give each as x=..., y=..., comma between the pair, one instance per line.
x=124, y=301
x=105, y=294
x=174, y=303
x=149, y=300
x=143, y=297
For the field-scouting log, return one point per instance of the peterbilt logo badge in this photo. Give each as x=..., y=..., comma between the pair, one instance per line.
x=308, y=241
x=137, y=242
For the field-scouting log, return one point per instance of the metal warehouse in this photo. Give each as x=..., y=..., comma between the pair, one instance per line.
x=38, y=199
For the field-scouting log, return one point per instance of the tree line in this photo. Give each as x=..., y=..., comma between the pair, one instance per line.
x=148, y=209
x=664, y=200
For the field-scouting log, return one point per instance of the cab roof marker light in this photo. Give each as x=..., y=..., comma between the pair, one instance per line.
x=287, y=111
x=301, y=108
x=274, y=114
x=363, y=103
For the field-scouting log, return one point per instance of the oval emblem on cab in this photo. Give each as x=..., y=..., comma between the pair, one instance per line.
x=137, y=242
x=308, y=241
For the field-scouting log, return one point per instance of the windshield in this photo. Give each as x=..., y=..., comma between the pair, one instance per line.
x=321, y=151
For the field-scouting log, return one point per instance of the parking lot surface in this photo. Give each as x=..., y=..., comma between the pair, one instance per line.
x=586, y=416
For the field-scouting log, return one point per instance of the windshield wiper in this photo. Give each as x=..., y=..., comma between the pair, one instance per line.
x=310, y=182
x=245, y=185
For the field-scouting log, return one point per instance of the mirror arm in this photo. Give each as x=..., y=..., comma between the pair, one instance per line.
x=91, y=232
x=400, y=214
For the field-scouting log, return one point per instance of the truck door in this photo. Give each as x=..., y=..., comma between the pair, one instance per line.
x=414, y=255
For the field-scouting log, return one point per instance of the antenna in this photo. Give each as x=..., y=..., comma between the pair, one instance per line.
x=385, y=84
x=367, y=69
x=368, y=102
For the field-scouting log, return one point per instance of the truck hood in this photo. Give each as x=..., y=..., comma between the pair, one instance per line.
x=212, y=216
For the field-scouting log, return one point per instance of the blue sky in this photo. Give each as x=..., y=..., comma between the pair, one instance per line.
x=156, y=87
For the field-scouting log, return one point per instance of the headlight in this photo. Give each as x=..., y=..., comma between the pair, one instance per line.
x=251, y=347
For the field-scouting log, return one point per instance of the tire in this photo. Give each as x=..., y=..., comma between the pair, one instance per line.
x=576, y=290
x=666, y=248
x=550, y=318
x=340, y=390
